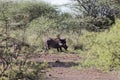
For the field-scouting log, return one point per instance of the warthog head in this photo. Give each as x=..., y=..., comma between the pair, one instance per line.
x=63, y=43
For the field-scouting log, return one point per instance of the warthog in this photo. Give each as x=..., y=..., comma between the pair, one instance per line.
x=56, y=43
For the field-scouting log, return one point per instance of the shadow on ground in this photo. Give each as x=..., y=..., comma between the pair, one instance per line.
x=62, y=64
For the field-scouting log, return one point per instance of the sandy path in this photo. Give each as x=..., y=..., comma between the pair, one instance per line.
x=62, y=68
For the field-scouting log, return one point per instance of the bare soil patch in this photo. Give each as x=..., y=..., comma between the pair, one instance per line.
x=62, y=73
x=62, y=68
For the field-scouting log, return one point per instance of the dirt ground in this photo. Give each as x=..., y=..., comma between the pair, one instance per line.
x=62, y=67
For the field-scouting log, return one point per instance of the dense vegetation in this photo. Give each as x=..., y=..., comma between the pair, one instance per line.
x=102, y=49
x=93, y=31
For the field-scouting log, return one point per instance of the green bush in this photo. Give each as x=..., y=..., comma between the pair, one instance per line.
x=36, y=9
x=103, y=49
